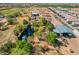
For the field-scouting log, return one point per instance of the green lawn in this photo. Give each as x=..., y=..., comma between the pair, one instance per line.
x=10, y=11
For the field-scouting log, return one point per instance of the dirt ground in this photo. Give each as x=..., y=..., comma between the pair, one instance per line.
x=74, y=45
x=6, y=35
x=71, y=47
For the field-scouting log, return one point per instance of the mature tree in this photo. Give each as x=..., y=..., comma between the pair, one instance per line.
x=50, y=26
x=17, y=51
x=25, y=22
x=3, y=27
x=30, y=39
x=22, y=47
x=43, y=21
x=21, y=28
x=16, y=31
x=6, y=48
x=11, y=20
x=51, y=38
x=36, y=24
x=39, y=31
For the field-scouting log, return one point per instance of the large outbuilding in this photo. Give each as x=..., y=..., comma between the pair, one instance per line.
x=63, y=30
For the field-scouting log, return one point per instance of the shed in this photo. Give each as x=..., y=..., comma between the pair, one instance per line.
x=35, y=14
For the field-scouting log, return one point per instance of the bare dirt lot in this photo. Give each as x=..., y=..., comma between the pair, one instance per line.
x=6, y=35
x=74, y=45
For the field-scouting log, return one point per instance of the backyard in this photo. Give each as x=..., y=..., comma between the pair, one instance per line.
x=30, y=31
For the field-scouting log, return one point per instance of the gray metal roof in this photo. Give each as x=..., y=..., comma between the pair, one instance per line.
x=62, y=29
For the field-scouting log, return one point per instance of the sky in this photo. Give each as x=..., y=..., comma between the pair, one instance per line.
x=39, y=1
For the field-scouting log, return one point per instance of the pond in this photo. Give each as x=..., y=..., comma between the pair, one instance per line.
x=27, y=32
